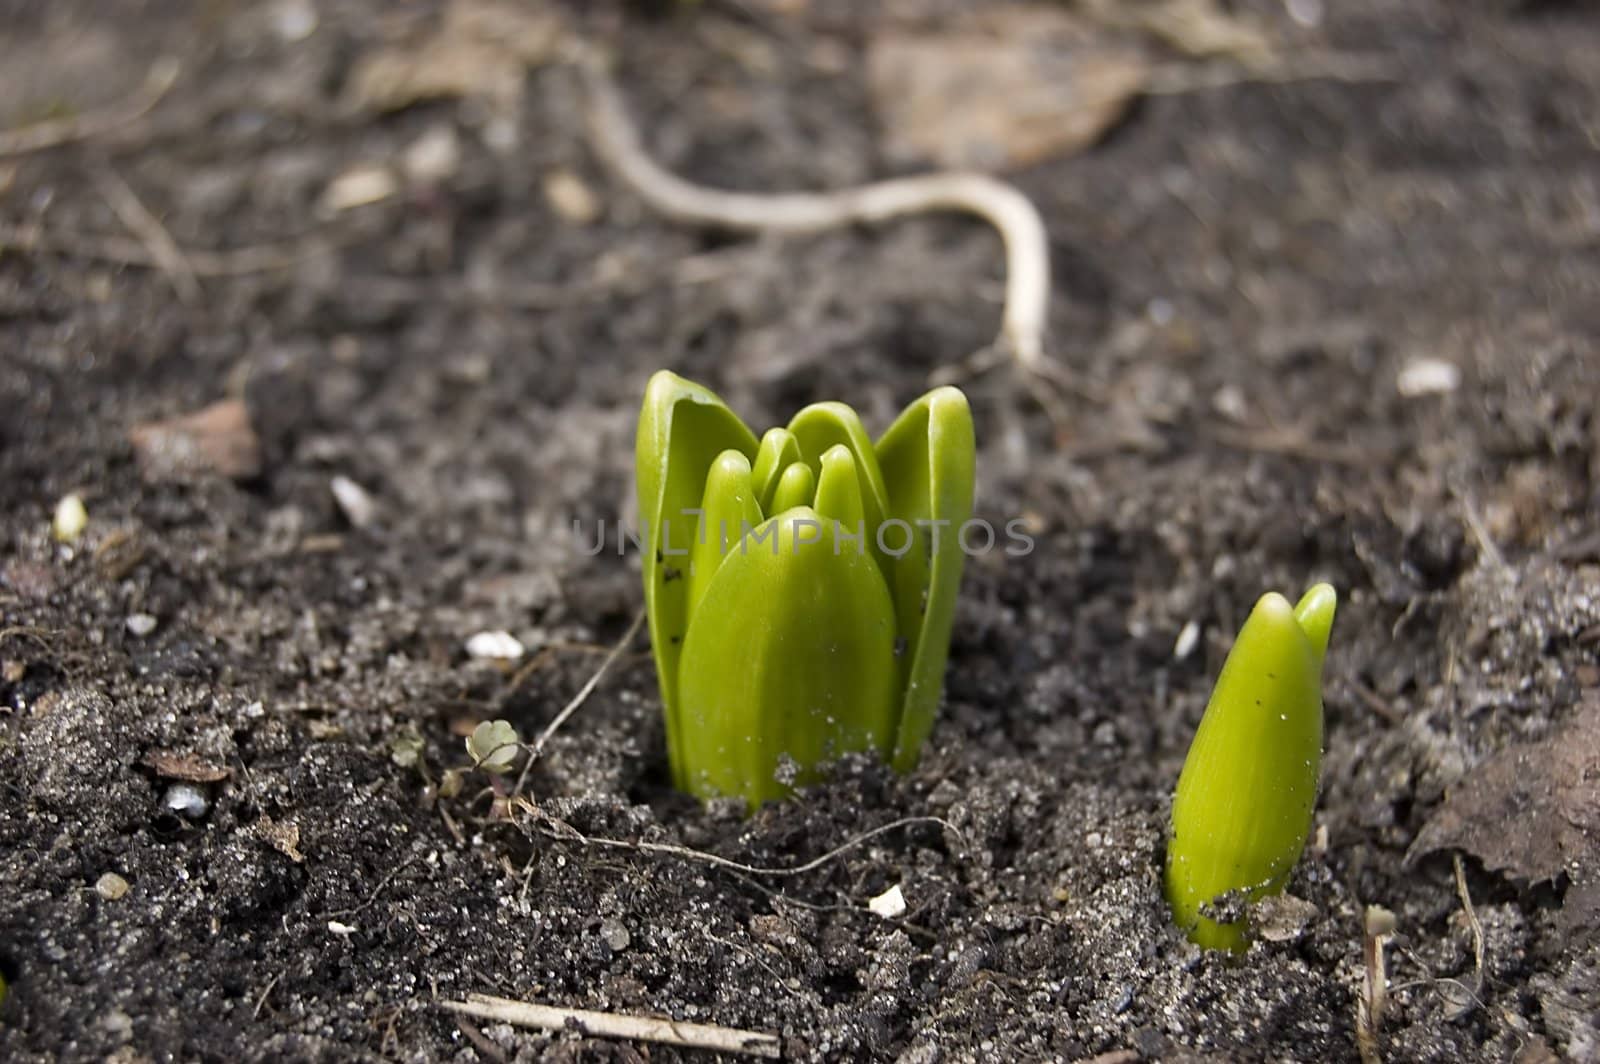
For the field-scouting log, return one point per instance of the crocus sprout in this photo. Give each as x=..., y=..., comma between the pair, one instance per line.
x=800, y=588
x=1245, y=797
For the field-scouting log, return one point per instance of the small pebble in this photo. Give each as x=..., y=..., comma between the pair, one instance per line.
x=141, y=624
x=111, y=886
x=358, y=188
x=1427, y=376
x=71, y=518
x=434, y=157
x=890, y=904
x=569, y=197
x=616, y=936
x=1188, y=638
x=1307, y=13
x=294, y=20
x=495, y=645
x=354, y=501
x=186, y=800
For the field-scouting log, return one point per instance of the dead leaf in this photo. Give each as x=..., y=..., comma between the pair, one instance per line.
x=482, y=48
x=285, y=837
x=185, y=767
x=1281, y=917
x=218, y=439
x=1532, y=811
x=1023, y=85
x=1194, y=27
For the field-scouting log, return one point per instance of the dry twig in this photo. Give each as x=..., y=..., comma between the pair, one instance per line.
x=164, y=250
x=1480, y=532
x=120, y=251
x=619, y=1025
x=1473, y=922
x=562, y=830
x=59, y=131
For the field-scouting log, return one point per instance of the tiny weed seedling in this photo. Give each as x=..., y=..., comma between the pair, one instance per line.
x=1244, y=800
x=800, y=588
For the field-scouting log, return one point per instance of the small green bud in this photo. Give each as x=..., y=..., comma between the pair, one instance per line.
x=786, y=629
x=1245, y=797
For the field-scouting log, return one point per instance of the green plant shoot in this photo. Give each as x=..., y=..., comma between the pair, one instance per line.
x=800, y=588
x=1245, y=797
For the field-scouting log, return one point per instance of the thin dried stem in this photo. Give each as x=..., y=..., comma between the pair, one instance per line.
x=619, y=1025
x=59, y=131
x=164, y=250
x=565, y=830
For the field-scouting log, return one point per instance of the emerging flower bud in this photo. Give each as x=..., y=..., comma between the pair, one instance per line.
x=1245, y=797
x=800, y=590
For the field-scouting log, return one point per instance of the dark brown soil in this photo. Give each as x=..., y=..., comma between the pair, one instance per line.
x=1242, y=274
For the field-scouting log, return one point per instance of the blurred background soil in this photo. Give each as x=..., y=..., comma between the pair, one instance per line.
x=337, y=333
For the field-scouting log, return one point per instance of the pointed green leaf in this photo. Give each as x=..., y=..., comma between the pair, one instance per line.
x=789, y=658
x=839, y=497
x=728, y=510
x=682, y=429
x=1244, y=800
x=822, y=426
x=778, y=452
x=1314, y=611
x=929, y=464
x=796, y=487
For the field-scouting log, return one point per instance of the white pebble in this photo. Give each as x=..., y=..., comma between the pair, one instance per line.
x=111, y=886
x=1427, y=376
x=1307, y=13
x=186, y=800
x=354, y=501
x=70, y=520
x=434, y=157
x=496, y=645
x=1188, y=638
x=358, y=188
x=140, y=624
x=294, y=20
x=890, y=904
x=569, y=197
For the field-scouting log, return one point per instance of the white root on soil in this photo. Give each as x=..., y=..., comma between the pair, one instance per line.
x=1011, y=213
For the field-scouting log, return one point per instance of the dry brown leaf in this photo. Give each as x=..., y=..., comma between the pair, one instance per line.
x=1024, y=85
x=285, y=837
x=218, y=439
x=185, y=767
x=482, y=48
x=1194, y=27
x=1532, y=811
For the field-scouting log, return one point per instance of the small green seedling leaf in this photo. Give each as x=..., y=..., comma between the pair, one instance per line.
x=493, y=746
x=1244, y=800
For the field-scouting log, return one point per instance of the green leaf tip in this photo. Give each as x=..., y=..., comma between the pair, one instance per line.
x=1244, y=800
x=801, y=588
